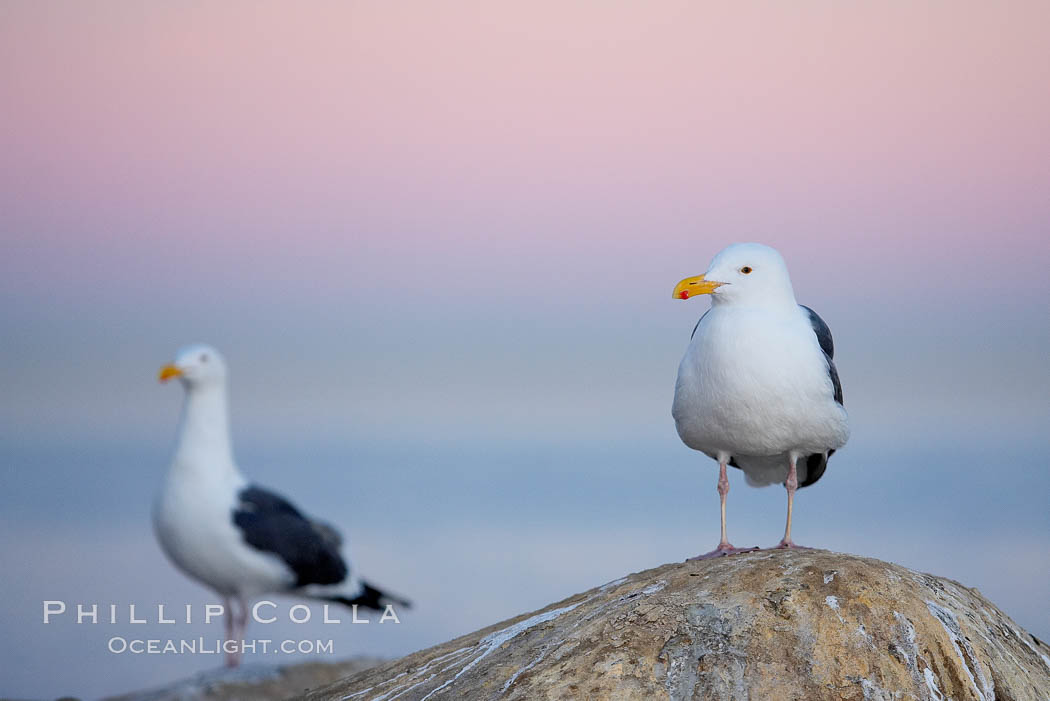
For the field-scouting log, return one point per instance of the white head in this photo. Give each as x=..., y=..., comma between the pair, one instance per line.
x=742, y=273
x=196, y=366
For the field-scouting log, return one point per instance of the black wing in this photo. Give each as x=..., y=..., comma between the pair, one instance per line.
x=818, y=462
x=827, y=344
x=271, y=524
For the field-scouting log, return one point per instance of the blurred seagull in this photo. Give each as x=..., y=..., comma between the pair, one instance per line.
x=757, y=388
x=239, y=539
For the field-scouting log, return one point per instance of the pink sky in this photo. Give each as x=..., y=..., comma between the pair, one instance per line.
x=365, y=136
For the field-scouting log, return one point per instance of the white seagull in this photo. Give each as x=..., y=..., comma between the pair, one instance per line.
x=239, y=539
x=757, y=388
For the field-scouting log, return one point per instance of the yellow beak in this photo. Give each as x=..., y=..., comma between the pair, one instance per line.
x=693, y=286
x=167, y=372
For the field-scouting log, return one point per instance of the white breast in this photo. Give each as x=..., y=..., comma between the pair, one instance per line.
x=193, y=522
x=754, y=382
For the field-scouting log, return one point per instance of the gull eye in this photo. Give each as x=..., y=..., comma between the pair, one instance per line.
x=204, y=357
x=746, y=270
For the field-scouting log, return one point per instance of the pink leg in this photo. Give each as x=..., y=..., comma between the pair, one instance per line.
x=724, y=546
x=240, y=624
x=242, y=618
x=791, y=484
x=227, y=618
x=231, y=661
x=236, y=620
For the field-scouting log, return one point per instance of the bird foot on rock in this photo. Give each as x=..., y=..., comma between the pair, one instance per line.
x=788, y=544
x=722, y=550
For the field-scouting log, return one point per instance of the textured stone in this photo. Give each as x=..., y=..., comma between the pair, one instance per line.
x=795, y=624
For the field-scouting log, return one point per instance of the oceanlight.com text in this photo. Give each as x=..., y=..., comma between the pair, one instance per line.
x=213, y=646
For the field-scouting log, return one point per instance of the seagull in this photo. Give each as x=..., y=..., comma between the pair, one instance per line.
x=237, y=538
x=757, y=388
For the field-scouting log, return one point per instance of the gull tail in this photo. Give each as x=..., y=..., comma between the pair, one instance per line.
x=815, y=466
x=371, y=598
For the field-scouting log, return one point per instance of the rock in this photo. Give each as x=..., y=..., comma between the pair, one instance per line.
x=257, y=682
x=799, y=624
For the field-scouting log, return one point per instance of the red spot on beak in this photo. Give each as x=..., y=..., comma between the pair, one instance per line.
x=684, y=294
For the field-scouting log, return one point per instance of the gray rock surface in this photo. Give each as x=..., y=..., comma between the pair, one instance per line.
x=801, y=624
